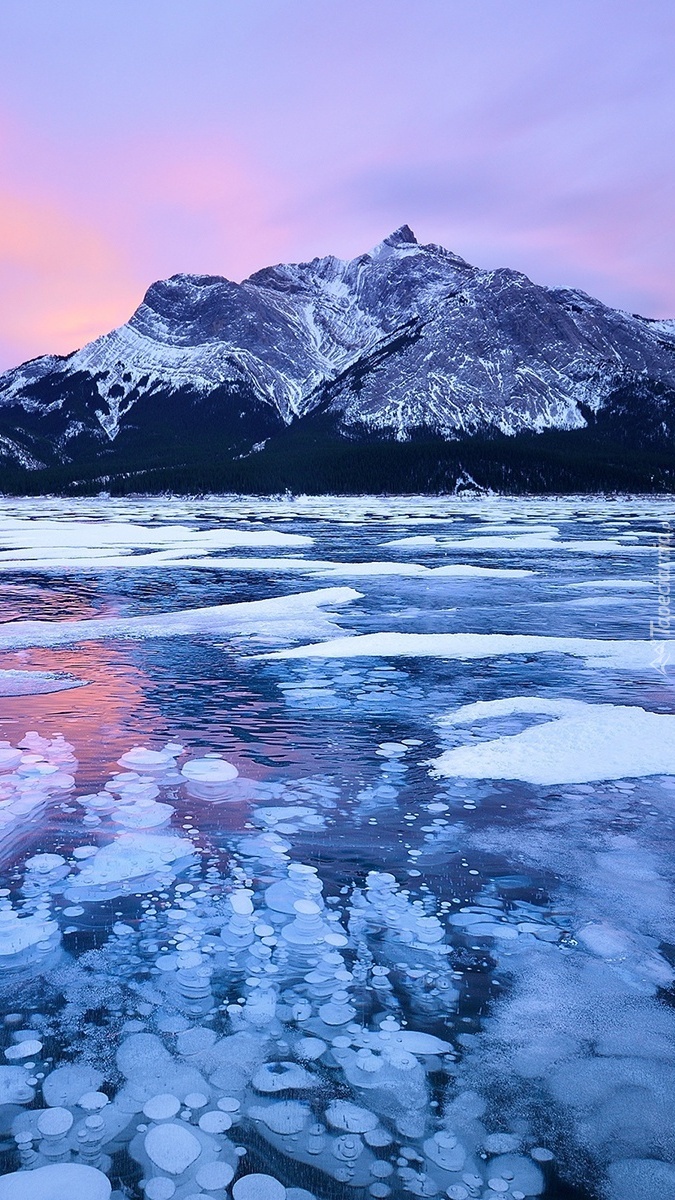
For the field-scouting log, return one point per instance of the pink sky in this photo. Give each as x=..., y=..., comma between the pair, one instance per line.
x=138, y=139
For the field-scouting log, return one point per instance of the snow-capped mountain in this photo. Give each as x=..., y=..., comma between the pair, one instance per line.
x=408, y=341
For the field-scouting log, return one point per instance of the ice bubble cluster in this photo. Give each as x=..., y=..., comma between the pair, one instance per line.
x=30, y=773
x=26, y=937
x=255, y=1026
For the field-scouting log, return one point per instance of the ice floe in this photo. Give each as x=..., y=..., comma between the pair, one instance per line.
x=36, y=683
x=579, y=742
x=277, y=620
x=507, y=537
x=57, y=545
x=626, y=655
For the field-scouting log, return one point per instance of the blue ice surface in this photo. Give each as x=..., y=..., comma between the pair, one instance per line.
x=475, y=996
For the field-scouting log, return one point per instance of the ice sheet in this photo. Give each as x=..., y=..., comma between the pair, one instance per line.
x=475, y=973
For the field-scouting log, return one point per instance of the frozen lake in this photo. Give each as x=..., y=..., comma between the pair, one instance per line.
x=337, y=849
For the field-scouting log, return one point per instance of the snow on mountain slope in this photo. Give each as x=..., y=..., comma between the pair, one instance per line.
x=505, y=353
x=403, y=338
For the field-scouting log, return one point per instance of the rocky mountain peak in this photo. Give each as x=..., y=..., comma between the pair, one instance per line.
x=401, y=236
x=408, y=340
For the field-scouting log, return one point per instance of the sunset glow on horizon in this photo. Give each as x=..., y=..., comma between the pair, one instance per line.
x=137, y=141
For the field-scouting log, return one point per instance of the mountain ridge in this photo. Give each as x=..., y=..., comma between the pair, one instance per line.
x=405, y=342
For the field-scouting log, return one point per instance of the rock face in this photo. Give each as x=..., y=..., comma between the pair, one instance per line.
x=405, y=344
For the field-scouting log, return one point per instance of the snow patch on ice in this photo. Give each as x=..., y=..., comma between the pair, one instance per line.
x=47, y=545
x=36, y=683
x=581, y=743
x=286, y=618
x=628, y=655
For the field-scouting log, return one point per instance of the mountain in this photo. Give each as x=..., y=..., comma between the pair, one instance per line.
x=404, y=369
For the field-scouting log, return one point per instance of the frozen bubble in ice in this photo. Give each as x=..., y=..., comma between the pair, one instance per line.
x=381, y=1170
x=45, y=864
x=308, y=928
x=131, y=861
x=342, y=1114
x=335, y=1013
x=93, y=1101
x=167, y=962
x=415, y=1042
x=58, y=1181
x=283, y=1117
x=280, y=1076
x=214, y=1176
x=195, y=1040
x=241, y=903
x=14, y=1088
x=64, y=1086
x=28, y=1049
x=301, y=884
x=160, y=1189
x=215, y=1122
x=310, y=1048
x=171, y=1022
x=640, y=1179
x=445, y=1150
x=144, y=816
x=502, y=1143
x=258, y=1187
x=9, y=758
x=55, y=1122
x=209, y=770
x=523, y=1175
x=172, y=1148
x=378, y=1138
x=541, y=1154
x=603, y=939
x=141, y=759
x=468, y=1106
x=196, y=1100
x=21, y=1035
x=23, y=938
x=162, y=1107
x=336, y=939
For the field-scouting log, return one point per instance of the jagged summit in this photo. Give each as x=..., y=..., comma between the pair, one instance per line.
x=401, y=236
x=405, y=340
